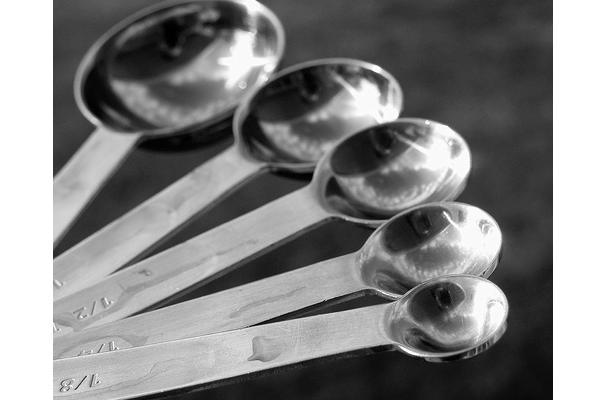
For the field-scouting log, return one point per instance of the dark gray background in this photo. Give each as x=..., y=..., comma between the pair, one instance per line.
x=482, y=67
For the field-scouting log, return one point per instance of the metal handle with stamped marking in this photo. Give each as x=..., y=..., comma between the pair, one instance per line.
x=148, y=224
x=77, y=183
x=189, y=264
x=421, y=243
x=202, y=360
x=239, y=307
x=447, y=318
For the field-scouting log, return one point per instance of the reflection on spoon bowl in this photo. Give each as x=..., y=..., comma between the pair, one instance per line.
x=304, y=110
x=179, y=66
x=448, y=318
x=390, y=167
x=429, y=241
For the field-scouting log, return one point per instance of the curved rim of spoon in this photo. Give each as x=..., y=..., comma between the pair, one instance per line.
x=323, y=175
x=305, y=167
x=376, y=235
x=88, y=60
x=467, y=352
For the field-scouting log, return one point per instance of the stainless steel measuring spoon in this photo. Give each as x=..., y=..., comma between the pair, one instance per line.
x=365, y=179
x=286, y=125
x=444, y=319
x=171, y=69
x=422, y=243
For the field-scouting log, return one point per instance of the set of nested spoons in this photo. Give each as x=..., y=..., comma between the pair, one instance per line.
x=178, y=69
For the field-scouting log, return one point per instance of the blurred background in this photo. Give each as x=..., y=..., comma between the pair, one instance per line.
x=484, y=68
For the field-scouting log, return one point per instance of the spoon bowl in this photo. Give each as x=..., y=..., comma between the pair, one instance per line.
x=295, y=118
x=448, y=318
x=426, y=242
x=176, y=68
x=382, y=170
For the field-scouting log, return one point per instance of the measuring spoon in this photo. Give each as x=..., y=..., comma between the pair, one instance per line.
x=444, y=319
x=420, y=243
x=366, y=178
x=171, y=69
x=286, y=125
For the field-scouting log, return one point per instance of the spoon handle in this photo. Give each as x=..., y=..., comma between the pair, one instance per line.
x=205, y=359
x=80, y=179
x=239, y=307
x=189, y=264
x=146, y=225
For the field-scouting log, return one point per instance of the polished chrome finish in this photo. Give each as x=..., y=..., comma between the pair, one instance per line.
x=228, y=246
x=444, y=319
x=448, y=318
x=286, y=125
x=422, y=243
x=171, y=69
x=297, y=117
x=178, y=65
x=427, y=242
x=391, y=167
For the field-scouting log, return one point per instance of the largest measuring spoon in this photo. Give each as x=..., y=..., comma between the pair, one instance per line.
x=171, y=69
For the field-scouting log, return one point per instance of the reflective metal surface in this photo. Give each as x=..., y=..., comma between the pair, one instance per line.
x=316, y=126
x=430, y=241
x=420, y=244
x=452, y=317
x=168, y=71
x=393, y=166
x=178, y=65
x=202, y=258
x=445, y=319
x=302, y=112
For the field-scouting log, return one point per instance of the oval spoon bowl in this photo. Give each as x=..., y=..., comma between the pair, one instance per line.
x=449, y=318
x=178, y=67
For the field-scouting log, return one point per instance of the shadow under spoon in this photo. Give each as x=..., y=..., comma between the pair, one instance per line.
x=175, y=69
x=444, y=319
x=421, y=243
x=365, y=179
x=286, y=125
